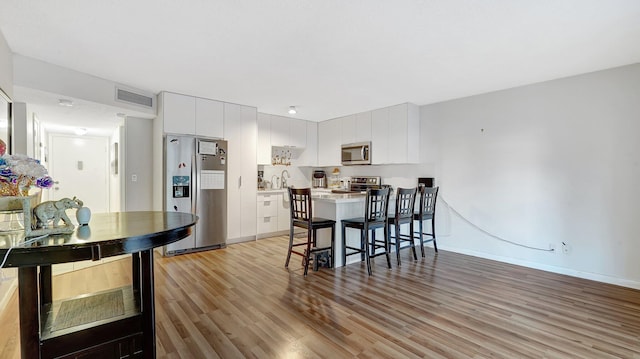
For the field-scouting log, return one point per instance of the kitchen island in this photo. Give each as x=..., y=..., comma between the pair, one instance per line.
x=338, y=207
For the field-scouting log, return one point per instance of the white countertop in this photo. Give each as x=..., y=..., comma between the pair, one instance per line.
x=323, y=194
x=339, y=197
x=270, y=191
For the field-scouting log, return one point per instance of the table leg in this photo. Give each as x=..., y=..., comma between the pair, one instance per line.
x=29, y=312
x=148, y=307
x=135, y=272
x=45, y=285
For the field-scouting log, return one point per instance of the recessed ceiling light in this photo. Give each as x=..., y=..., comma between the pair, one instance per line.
x=65, y=102
x=292, y=110
x=80, y=131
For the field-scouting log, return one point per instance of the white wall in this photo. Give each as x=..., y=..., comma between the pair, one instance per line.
x=544, y=164
x=36, y=74
x=138, y=161
x=22, y=129
x=6, y=67
x=6, y=84
x=298, y=176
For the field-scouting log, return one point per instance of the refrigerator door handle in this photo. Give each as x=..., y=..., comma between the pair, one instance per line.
x=196, y=185
x=240, y=182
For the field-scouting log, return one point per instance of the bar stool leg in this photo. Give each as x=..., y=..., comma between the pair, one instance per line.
x=286, y=264
x=307, y=252
x=413, y=242
x=333, y=246
x=344, y=245
x=433, y=233
x=365, y=234
x=363, y=243
x=420, y=228
x=387, y=246
x=397, y=231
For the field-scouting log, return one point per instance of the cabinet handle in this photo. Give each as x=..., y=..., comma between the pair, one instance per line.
x=240, y=182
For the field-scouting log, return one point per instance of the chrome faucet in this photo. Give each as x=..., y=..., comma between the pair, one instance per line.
x=284, y=180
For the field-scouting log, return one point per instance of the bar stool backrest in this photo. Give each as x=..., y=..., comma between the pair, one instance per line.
x=377, y=205
x=405, y=203
x=300, y=200
x=428, y=196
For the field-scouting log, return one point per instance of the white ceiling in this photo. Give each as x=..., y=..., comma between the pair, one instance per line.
x=327, y=57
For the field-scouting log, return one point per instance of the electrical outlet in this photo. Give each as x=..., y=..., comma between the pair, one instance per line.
x=566, y=248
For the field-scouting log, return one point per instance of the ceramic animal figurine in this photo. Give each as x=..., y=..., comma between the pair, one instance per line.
x=51, y=212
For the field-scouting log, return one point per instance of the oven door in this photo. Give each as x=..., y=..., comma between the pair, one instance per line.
x=356, y=154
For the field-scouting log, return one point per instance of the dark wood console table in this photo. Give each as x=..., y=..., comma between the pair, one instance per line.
x=116, y=323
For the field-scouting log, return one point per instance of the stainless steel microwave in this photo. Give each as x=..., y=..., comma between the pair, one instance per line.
x=356, y=154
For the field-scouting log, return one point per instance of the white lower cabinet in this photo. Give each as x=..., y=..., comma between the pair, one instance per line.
x=273, y=212
x=284, y=213
x=267, y=213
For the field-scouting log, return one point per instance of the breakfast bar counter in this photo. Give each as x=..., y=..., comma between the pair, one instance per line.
x=339, y=206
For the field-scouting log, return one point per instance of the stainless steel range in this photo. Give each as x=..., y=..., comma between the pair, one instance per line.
x=361, y=183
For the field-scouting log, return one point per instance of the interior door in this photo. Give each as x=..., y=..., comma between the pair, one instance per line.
x=80, y=167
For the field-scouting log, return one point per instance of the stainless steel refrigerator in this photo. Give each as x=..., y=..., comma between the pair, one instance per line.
x=195, y=182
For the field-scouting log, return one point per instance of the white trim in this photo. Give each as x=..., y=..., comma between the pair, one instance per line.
x=547, y=268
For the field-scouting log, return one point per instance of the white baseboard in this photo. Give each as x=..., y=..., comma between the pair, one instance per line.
x=548, y=268
x=241, y=239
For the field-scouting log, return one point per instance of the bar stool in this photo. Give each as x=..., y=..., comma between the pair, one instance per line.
x=405, y=204
x=427, y=211
x=375, y=216
x=302, y=217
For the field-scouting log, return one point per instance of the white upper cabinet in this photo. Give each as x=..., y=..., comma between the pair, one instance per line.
x=380, y=136
x=280, y=131
x=363, y=127
x=356, y=128
x=309, y=156
x=209, y=118
x=329, y=142
x=178, y=113
x=264, y=139
x=298, y=133
x=188, y=115
x=288, y=132
x=348, y=129
x=395, y=134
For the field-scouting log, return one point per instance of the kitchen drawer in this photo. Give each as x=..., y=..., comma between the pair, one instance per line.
x=267, y=224
x=273, y=196
x=268, y=208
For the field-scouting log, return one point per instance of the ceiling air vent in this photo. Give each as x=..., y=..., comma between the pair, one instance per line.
x=134, y=98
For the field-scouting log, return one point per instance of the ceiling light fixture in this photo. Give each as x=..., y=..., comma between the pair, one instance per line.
x=80, y=131
x=65, y=102
x=292, y=110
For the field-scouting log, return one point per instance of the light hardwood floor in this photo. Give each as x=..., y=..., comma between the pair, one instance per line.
x=241, y=302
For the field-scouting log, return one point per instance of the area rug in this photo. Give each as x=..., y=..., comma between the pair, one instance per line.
x=90, y=309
